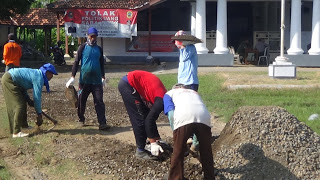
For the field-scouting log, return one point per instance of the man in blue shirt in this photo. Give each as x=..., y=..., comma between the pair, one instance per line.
x=92, y=78
x=15, y=84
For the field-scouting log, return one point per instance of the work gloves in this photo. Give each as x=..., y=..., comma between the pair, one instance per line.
x=103, y=82
x=155, y=148
x=70, y=82
x=39, y=120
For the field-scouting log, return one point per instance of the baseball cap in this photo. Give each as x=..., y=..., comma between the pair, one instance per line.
x=44, y=69
x=92, y=31
x=48, y=67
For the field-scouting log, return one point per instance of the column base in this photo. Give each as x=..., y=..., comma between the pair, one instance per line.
x=282, y=69
x=201, y=49
x=295, y=51
x=221, y=50
x=282, y=60
x=314, y=51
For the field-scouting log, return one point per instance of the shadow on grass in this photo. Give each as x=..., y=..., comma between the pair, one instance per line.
x=88, y=130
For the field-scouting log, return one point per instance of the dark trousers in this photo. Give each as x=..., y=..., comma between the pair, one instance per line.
x=97, y=92
x=137, y=111
x=180, y=137
x=194, y=87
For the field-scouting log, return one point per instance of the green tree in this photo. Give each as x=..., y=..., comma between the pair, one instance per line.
x=10, y=8
x=41, y=3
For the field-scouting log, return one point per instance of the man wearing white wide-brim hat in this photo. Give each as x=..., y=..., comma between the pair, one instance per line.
x=188, y=62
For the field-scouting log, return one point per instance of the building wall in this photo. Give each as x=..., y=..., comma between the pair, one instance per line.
x=4, y=29
x=118, y=46
x=3, y=35
x=244, y=18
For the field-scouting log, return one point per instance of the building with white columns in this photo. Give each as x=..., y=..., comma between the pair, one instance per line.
x=220, y=24
x=237, y=20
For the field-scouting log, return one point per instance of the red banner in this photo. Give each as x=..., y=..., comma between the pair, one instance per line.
x=159, y=43
x=108, y=22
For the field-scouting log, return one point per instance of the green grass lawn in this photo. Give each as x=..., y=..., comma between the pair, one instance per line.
x=4, y=131
x=4, y=173
x=224, y=102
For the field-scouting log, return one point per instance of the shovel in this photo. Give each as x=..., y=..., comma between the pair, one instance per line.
x=55, y=122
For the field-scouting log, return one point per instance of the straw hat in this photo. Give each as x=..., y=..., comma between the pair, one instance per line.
x=182, y=36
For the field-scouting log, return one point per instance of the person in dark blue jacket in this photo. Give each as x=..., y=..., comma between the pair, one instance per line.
x=15, y=84
x=92, y=79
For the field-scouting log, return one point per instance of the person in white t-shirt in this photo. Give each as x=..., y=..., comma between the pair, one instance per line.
x=188, y=115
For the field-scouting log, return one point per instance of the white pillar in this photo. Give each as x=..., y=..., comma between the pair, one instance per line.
x=282, y=68
x=282, y=59
x=201, y=26
x=295, y=31
x=315, y=39
x=193, y=18
x=221, y=33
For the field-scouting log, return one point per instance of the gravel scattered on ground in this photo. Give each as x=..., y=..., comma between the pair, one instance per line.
x=267, y=143
x=257, y=143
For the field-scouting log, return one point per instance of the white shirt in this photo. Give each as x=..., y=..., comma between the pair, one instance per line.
x=189, y=108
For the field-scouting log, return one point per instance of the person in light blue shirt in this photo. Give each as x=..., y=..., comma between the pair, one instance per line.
x=15, y=84
x=188, y=63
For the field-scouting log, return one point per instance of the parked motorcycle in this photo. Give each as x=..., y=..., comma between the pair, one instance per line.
x=58, y=54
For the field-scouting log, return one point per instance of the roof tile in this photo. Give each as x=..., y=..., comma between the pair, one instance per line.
x=101, y=4
x=38, y=17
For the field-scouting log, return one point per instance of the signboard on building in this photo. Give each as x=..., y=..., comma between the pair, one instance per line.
x=115, y=23
x=159, y=43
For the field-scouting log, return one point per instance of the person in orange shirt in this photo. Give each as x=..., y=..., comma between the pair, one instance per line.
x=11, y=53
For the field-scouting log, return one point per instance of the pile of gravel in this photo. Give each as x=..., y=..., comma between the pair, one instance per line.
x=266, y=143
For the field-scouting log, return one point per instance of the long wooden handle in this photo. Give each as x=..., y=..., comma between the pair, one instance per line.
x=50, y=118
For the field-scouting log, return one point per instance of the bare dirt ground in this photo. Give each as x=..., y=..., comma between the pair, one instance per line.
x=68, y=152
x=94, y=154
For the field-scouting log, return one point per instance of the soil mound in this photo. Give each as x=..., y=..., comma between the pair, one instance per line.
x=266, y=143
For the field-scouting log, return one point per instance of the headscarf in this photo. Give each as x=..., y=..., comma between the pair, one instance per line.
x=44, y=69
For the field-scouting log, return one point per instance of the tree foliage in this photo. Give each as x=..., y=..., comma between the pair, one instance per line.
x=41, y=3
x=10, y=8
